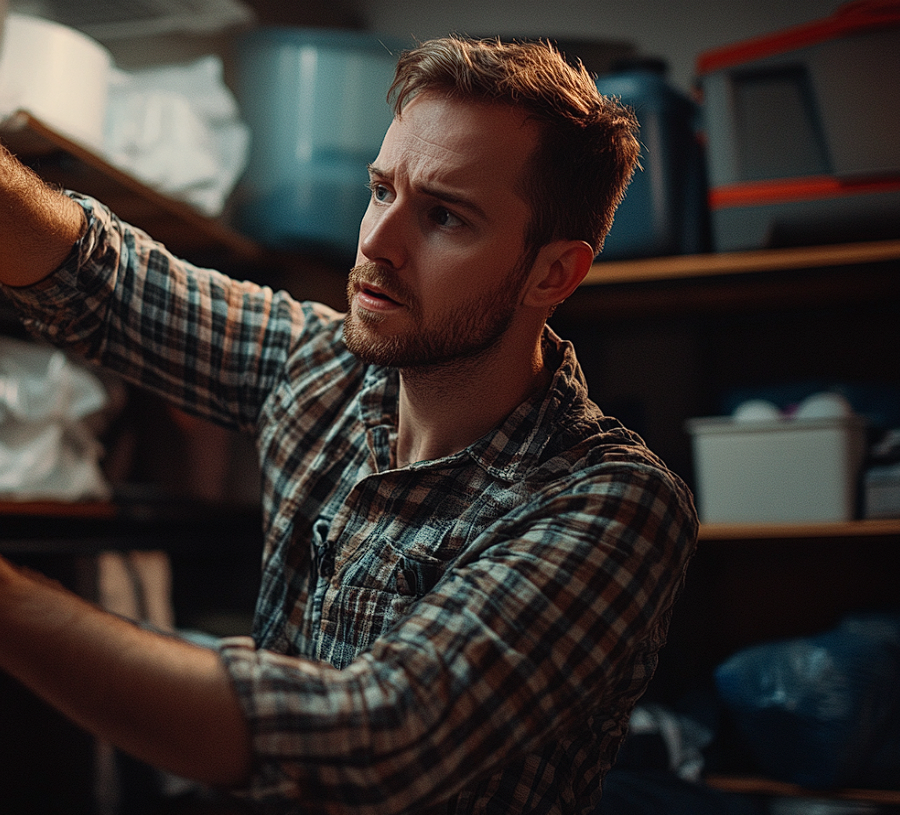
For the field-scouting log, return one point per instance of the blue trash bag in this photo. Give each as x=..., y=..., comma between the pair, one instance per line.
x=821, y=711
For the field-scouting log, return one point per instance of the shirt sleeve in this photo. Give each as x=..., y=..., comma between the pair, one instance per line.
x=211, y=344
x=549, y=619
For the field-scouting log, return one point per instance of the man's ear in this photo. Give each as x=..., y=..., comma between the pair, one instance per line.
x=558, y=270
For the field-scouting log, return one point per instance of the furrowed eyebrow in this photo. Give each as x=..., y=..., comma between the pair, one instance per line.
x=455, y=200
x=437, y=193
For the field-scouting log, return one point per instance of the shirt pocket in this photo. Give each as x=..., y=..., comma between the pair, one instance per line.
x=416, y=576
x=396, y=573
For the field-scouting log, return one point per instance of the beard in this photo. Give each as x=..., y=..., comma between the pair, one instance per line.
x=470, y=330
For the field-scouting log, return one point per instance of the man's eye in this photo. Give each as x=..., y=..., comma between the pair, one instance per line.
x=443, y=217
x=379, y=192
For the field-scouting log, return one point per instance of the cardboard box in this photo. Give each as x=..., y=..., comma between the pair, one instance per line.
x=772, y=471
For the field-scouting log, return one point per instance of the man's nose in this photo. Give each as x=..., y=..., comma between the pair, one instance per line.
x=383, y=234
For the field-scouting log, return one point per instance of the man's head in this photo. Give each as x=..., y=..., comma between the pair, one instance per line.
x=587, y=145
x=494, y=186
x=440, y=265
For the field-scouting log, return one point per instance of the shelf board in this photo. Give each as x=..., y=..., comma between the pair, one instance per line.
x=711, y=532
x=764, y=786
x=69, y=164
x=189, y=232
x=779, y=531
x=59, y=509
x=648, y=270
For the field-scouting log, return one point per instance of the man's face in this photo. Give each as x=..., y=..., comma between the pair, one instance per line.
x=439, y=266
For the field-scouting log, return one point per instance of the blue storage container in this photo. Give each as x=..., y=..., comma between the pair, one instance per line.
x=315, y=102
x=665, y=210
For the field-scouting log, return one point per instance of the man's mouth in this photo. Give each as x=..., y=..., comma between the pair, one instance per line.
x=376, y=292
x=374, y=298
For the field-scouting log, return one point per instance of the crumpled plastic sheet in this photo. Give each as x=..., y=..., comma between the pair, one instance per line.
x=178, y=129
x=48, y=445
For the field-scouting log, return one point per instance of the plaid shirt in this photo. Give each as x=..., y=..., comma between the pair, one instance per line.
x=462, y=635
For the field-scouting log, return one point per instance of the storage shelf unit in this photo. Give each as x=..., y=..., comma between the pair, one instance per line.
x=779, y=555
x=755, y=582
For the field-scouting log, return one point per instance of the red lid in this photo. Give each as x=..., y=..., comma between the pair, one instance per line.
x=809, y=188
x=850, y=18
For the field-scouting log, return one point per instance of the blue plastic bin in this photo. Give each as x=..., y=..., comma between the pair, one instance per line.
x=665, y=210
x=315, y=102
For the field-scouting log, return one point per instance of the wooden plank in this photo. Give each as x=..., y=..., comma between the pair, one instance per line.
x=728, y=263
x=59, y=509
x=183, y=228
x=765, y=786
x=847, y=529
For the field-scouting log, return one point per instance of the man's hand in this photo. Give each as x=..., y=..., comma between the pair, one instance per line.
x=38, y=225
x=159, y=698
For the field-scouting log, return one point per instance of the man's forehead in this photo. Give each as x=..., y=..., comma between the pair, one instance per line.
x=443, y=139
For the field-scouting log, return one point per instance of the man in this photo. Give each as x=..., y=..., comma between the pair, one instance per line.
x=469, y=570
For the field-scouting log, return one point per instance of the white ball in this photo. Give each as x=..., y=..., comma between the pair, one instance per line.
x=824, y=405
x=756, y=410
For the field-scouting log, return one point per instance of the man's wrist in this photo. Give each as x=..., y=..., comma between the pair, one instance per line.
x=13, y=585
x=8, y=574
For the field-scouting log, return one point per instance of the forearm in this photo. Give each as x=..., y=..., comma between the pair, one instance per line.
x=38, y=225
x=165, y=701
x=210, y=344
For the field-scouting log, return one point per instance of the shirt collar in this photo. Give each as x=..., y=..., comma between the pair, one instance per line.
x=514, y=448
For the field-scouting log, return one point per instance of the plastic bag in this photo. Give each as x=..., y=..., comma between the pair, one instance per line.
x=48, y=448
x=177, y=127
x=662, y=739
x=820, y=711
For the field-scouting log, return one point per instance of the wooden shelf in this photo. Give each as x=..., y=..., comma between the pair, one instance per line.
x=188, y=232
x=59, y=509
x=650, y=270
x=863, y=273
x=184, y=229
x=751, y=785
x=709, y=532
x=846, y=529
x=84, y=528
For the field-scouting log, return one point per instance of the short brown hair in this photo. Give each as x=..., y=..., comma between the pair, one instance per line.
x=587, y=149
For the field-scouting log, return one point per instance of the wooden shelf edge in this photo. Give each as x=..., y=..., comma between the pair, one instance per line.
x=762, y=531
x=28, y=136
x=648, y=270
x=764, y=786
x=709, y=532
x=59, y=509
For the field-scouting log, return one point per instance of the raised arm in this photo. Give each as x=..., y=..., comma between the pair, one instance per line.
x=38, y=225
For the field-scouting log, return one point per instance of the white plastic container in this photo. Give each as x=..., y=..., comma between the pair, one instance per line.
x=784, y=470
x=57, y=74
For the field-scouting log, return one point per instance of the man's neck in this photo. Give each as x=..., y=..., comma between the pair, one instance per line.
x=446, y=408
